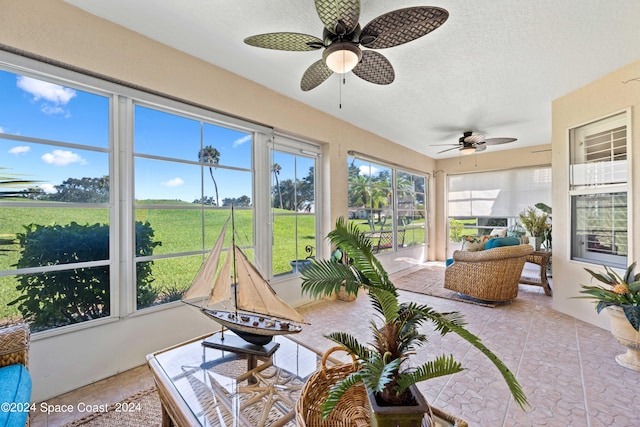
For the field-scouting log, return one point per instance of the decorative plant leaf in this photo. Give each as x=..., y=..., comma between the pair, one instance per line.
x=441, y=366
x=633, y=316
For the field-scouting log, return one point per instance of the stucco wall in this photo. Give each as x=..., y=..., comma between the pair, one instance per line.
x=58, y=31
x=596, y=100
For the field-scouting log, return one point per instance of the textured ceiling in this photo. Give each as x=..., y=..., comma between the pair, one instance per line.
x=493, y=67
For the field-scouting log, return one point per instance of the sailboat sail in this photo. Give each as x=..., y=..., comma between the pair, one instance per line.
x=254, y=296
x=251, y=307
x=201, y=285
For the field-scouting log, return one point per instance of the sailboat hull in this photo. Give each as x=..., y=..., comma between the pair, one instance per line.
x=252, y=328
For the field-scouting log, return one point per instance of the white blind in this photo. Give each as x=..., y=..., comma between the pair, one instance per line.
x=498, y=193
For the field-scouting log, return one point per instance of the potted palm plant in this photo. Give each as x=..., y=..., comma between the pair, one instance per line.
x=385, y=363
x=620, y=295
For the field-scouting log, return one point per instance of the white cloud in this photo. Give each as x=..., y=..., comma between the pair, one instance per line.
x=367, y=170
x=48, y=188
x=1, y=129
x=242, y=140
x=62, y=158
x=54, y=95
x=175, y=182
x=44, y=90
x=19, y=149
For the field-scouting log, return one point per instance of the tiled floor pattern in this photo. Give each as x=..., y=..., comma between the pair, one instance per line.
x=565, y=366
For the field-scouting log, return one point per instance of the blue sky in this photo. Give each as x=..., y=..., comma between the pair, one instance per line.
x=38, y=109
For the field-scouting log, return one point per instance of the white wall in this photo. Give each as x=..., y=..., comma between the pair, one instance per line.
x=55, y=30
x=591, y=102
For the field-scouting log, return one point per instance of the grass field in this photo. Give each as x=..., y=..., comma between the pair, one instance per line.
x=178, y=230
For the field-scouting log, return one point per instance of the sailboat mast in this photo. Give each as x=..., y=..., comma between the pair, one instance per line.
x=235, y=271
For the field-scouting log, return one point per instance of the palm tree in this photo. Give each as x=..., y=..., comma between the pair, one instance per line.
x=276, y=168
x=211, y=156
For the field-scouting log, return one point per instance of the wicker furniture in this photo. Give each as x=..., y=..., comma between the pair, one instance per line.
x=489, y=275
x=14, y=355
x=540, y=258
x=203, y=386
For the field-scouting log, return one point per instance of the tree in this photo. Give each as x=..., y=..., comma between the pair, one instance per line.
x=242, y=201
x=205, y=200
x=83, y=190
x=211, y=156
x=276, y=168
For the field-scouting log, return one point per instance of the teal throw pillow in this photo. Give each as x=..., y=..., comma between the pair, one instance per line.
x=502, y=241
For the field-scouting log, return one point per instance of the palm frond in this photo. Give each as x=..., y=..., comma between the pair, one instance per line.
x=358, y=248
x=386, y=303
x=351, y=344
x=324, y=277
x=377, y=373
x=444, y=324
x=440, y=366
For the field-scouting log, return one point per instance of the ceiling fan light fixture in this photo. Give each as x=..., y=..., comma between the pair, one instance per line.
x=342, y=57
x=467, y=150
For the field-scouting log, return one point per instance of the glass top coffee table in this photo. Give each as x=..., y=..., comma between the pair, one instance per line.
x=203, y=386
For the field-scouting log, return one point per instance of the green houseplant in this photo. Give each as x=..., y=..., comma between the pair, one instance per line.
x=534, y=221
x=620, y=295
x=384, y=363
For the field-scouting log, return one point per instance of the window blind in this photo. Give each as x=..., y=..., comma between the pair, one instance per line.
x=501, y=193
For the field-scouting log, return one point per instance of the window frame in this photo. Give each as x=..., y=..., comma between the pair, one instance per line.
x=293, y=146
x=576, y=248
x=393, y=199
x=123, y=97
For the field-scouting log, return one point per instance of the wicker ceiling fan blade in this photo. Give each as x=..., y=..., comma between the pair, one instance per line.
x=375, y=68
x=402, y=26
x=457, y=147
x=339, y=16
x=497, y=141
x=317, y=73
x=296, y=42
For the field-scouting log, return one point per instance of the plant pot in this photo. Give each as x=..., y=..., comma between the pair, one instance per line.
x=536, y=242
x=298, y=265
x=627, y=336
x=401, y=416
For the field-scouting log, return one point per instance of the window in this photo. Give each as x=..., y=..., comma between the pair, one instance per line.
x=188, y=173
x=598, y=191
x=56, y=241
x=126, y=193
x=480, y=202
x=372, y=190
x=411, y=207
x=293, y=203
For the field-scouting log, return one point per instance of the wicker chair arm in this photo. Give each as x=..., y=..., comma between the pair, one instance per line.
x=14, y=344
x=503, y=252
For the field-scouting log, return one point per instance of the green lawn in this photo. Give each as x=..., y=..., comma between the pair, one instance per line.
x=177, y=230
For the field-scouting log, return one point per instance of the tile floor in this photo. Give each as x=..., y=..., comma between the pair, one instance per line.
x=565, y=366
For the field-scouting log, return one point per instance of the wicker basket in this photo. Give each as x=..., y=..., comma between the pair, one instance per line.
x=14, y=344
x=351, y=410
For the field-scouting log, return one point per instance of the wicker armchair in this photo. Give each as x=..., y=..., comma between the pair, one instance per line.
x=14, y=350
x=490, y=275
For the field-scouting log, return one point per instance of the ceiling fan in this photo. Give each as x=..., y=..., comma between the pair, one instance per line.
x=472, y=142
x=342, y=38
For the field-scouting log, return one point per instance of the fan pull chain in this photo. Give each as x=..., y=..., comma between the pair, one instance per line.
x=340, y=83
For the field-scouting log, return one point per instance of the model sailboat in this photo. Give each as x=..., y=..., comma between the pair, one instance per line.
x=250, y=307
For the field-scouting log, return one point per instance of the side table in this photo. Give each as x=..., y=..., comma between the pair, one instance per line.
x=540, y=258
